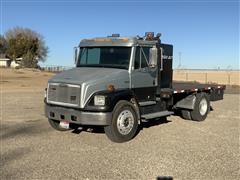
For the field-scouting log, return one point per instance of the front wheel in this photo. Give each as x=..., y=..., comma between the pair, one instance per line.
x=124, y=123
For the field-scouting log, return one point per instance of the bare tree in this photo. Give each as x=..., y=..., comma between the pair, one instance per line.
x=3, y=46
x=26, y=44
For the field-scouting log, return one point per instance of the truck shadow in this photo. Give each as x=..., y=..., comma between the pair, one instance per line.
x=100, y=129
x=154, y=122
x=178, y=112
x=90, y=129
x=211, y=108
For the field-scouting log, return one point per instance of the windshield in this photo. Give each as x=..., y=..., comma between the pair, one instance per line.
x=113, y=57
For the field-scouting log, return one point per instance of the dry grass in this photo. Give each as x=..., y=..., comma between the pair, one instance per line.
x=20, y=80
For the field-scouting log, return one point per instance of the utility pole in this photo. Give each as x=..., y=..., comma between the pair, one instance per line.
x=180, y=60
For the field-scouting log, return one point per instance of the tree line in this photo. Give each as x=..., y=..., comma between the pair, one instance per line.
x=24, y=44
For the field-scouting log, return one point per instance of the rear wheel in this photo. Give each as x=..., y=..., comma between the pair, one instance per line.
x=201, y=107
x=56, y=125
x=124, y=123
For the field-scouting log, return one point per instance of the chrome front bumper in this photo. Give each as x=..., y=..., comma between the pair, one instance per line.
x=76, y=116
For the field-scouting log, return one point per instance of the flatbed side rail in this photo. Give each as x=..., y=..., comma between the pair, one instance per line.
x=216, y=92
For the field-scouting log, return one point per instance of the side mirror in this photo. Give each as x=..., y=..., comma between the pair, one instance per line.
x=76, y=50
x=153, y=56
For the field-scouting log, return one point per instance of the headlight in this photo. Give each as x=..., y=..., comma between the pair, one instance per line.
x=99, y=100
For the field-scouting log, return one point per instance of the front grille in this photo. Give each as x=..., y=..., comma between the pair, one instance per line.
x=65, y=94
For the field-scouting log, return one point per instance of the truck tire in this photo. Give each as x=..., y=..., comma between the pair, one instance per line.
x=55, y=125
x=186, y=114
x=124, y=123
x=201, y=107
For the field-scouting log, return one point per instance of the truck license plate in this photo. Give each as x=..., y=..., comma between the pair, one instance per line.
x=64, y=124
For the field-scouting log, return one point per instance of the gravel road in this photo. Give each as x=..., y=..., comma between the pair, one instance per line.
x=31, y=149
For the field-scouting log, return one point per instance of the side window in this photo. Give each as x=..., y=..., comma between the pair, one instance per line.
x=141, y=57
x=145, y=57
x=137, y=58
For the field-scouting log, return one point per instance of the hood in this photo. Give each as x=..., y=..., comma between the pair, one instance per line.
x=85, y=74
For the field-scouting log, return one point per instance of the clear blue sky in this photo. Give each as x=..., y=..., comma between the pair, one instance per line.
x=205, y=32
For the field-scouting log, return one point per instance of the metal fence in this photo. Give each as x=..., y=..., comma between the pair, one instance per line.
x=55, y=68
x=228, y=77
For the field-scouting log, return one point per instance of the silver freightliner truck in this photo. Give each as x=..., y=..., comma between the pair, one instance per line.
x=118, y=83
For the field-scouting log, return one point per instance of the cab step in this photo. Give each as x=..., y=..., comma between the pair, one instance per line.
x=147, y=103
x=157, y=114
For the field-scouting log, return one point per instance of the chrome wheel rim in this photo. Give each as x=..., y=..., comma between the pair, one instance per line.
x=125, y=122
x=203, y=106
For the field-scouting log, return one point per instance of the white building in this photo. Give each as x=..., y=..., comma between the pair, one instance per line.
x=16, y=63
x=5, y=62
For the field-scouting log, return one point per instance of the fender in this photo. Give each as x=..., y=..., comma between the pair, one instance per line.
x=186, y=103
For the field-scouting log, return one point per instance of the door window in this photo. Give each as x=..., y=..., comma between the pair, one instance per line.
x=141, y=57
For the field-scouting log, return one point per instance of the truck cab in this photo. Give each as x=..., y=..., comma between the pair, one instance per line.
x=118, y=82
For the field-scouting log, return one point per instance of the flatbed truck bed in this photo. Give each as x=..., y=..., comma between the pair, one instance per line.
x=190, y=87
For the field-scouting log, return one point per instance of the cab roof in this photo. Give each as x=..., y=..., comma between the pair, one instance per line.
x=116, y=40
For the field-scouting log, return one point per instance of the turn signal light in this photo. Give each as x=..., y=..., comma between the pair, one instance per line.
x=110, y=88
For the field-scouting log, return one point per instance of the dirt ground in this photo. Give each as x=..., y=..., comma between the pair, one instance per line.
x=31, y=149
x=23, y=80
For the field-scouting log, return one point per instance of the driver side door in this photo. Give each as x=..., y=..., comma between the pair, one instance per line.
x=143, y=78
